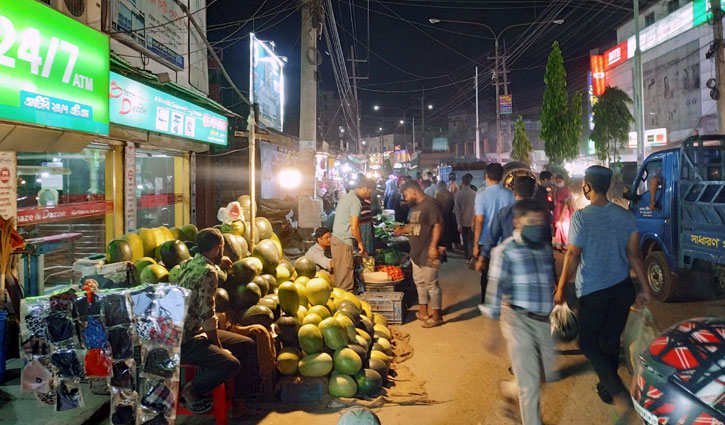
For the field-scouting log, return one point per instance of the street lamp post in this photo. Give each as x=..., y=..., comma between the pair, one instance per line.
x=496, y=37
x=402, y=122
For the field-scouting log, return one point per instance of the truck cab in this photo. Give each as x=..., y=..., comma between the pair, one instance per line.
x=678, y=200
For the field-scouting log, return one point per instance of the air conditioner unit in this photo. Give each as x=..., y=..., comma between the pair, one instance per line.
x=85, y=11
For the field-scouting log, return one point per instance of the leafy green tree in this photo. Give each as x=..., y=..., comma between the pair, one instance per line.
x=561, y=123
x=611, y=123
x=521, y=147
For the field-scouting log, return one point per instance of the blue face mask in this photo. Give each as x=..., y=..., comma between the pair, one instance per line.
x=536, y=235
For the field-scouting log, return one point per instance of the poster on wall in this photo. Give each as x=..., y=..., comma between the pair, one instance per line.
x=157, y=27
x=8, y=185
x=266, y=83
x=273, y=159
x=672, y=89
x=53, y=69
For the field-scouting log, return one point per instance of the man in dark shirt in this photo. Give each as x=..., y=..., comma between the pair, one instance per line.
x=220, y=354
x=543, y=193
x=424, y=231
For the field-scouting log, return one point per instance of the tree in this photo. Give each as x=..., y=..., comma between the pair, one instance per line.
x=561, y=123
x=611, y=123
x=521, y=147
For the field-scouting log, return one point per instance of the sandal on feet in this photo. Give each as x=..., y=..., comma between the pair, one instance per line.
x=198, y=407
x=432, y=323
x=421, y=317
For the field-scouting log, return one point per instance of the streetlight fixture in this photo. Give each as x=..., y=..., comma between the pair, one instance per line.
x=402, y=122
x=289, y=178
x=496, y=37
x=430, y=107
x=376, y=108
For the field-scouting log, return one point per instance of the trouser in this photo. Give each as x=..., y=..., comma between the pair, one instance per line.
x=467, y=234
x=426, y=283
x=484, y=277
x=342, y=256
x=218, y=366
x=530, y=346
x=602, y=317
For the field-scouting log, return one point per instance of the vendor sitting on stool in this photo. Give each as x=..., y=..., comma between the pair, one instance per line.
x=221, y=355
x=318, y=252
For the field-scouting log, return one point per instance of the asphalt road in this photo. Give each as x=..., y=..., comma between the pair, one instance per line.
x=462, y=377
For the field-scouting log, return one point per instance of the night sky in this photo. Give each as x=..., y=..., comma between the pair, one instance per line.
x=408, y=54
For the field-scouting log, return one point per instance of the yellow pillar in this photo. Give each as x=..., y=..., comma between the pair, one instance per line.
x=114, y=192
x=182, y=212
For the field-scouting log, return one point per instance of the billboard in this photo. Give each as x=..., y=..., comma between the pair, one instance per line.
x=158, y=28
x=666, y=28
x=592, y=100
x=599, y=77
x=615, y=55
x=266, y=83
x=53, y=69
x=505, y=104
x=137, y=105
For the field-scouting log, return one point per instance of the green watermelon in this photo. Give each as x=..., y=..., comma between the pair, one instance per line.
x=244, y=270
x=381, y=367
x=369, y=382
x=236, y=227
x=347, y=324
x=375, y=354
x=246, y=296
x=320, y=310
x=314, y=365
x=235, y=247
x=258, y=315
x=380, y=319
x=386, y=346
x=178, y=234
x=283, y=275
x=190, y=231
x=119, y=250
x=264, y=228
x=347, y=361
x=342, y=386
x=221, y=300
x=289, y=299
x=312, y=318
x=360, y=350
x=262, y=283
x=302, y=292
x=153, y=274
x=305, y=267
x=136, y=245
x=142, y=264
x=173, y=252
x=271, y=301
x=334, y=333
x=310, y=339
x=174, y=274
x=287, y=328
x=267, y=252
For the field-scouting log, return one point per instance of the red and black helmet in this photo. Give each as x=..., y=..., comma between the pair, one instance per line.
x=681, y=376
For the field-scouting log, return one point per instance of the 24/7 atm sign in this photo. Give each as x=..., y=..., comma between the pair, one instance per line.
x=53, y=69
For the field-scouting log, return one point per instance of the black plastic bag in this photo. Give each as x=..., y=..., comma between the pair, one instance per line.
x=564, y=326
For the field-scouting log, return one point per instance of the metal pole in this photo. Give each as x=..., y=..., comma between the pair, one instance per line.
x=638, y=88
x=422, y=120
x=357, y=99
x=498, y=108
x=478, y=132
x=719, y=68
x=253, y=174
x=413, y=133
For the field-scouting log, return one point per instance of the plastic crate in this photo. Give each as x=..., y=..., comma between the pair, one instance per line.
x=389, y=304
x=3, y=316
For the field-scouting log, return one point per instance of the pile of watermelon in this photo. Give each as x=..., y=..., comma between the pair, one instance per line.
x=327, y=331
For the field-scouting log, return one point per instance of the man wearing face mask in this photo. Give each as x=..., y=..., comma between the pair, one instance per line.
x=521, y=281
x=603, y=248
x=221, y=355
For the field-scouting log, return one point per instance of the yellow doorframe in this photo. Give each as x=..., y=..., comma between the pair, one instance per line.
x=114, y=192
x=182, y=177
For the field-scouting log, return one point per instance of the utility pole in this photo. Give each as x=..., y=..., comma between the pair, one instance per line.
x=498, y=106
x=478, y=132
x=638, y=88
x=719, y=68
x=355, y=78
x=414, y=133
x=309, y=206
x=422, y=120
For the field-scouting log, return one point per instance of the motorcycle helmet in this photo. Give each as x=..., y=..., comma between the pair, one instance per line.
x=680, y=378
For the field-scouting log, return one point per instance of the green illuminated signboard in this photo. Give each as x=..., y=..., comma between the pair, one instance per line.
x=702, y=12
x=53, y=69
x=137, y=105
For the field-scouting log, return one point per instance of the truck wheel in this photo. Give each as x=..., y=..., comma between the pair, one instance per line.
x=662, y=282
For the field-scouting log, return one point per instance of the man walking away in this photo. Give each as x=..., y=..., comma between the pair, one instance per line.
x=603, y=247
x=463, y=208
x=543, y=190
x=521, y=284
x=445, y=199
x=346, y=234
x=486, y=205
x=424, y=231
x=452, y=186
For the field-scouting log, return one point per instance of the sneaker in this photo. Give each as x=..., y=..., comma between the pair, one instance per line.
x=604, y=394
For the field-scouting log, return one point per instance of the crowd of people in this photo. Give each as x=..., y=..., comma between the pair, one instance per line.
x=509, y=236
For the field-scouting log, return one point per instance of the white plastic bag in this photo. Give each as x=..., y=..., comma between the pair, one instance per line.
x=564, y=326
x=640, y=331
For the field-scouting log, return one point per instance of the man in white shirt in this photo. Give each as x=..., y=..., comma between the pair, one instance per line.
x=316, y=253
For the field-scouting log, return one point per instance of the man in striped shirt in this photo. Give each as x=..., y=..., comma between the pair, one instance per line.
x=521, y=293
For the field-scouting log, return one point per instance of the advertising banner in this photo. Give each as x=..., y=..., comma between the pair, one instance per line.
x=37, y=215
x=592, y=100
x=599, y=77
x=8, y=185
x=157, y=27
x=666, y=28
x=137, y=105
x=266, y=83
x=505, y=104
x=53, y=69
x=616, y=55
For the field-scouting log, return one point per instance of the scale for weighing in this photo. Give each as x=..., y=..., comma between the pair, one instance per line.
x=31, y=270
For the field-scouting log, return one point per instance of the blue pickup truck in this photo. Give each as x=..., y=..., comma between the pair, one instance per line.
x=684, y=228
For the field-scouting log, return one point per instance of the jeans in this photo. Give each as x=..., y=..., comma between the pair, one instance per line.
x=467, y=234
x=426, y=283
x=342, y=256
x=218, y=366
x=602, y=317
x=530, y=346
